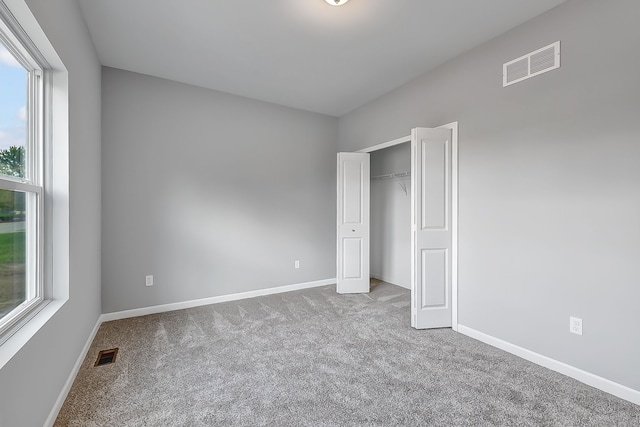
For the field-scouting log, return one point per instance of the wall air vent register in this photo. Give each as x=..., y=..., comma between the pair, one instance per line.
x=531, y=64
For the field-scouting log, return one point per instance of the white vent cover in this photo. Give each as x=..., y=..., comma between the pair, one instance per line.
x=531, y=64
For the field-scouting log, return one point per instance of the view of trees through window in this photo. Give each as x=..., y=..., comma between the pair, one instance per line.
x=12, y=250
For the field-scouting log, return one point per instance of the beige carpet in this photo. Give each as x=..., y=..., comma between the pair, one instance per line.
x=315, y=358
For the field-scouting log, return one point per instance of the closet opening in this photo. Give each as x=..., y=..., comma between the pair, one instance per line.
x=390, y=203
x=397, y=221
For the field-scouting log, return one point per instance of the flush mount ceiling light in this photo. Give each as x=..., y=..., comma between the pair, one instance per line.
x=336, y=2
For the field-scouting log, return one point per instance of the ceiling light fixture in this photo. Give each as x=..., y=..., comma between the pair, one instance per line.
x=336, y=2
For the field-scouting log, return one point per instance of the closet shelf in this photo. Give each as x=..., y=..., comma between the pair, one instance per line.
x=391, y=176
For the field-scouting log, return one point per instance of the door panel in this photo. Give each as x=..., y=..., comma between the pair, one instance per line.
x=353, y=223
x=434, y=184
x=434, y=278
x=431, y=231
x=352, y=250
x=353, y=171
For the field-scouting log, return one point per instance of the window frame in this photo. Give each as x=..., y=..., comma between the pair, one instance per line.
x=32, y=184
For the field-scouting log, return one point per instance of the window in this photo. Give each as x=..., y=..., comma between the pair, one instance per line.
x=21, y=180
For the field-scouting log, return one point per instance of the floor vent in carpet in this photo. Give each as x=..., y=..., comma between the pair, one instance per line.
x=106, y=357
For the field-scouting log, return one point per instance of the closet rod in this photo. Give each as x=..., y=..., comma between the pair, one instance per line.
x=392, y=175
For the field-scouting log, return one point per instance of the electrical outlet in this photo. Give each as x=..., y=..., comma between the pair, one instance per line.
x=148, y=280
x=297, y=264
x=575, y=325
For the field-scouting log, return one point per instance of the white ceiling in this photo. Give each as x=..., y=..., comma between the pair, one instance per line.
x=300, y=53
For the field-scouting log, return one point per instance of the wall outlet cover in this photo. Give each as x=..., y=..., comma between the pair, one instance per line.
x=575, y=325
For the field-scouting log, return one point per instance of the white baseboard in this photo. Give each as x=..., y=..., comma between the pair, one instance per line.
x=375, y=276
x=72, y=376
x=213, y=300
x=585, y=377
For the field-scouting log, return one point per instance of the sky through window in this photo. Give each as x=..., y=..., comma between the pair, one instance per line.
x=13, y=99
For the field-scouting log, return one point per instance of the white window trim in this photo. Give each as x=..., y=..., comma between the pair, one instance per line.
x=54, y=196
x=21, y=47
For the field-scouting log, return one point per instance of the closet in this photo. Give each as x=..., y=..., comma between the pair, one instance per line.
x=390, y=247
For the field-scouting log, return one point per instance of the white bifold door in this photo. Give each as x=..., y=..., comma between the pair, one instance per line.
x=431, y=219
x=353, y=223
x=431, y=223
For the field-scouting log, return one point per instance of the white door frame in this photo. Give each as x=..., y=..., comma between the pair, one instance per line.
x=454, y=208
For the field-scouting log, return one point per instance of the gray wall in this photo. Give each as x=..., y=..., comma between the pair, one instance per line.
x=549, y=183
x=211, y=193
x=31, y=382
x=391, y=216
